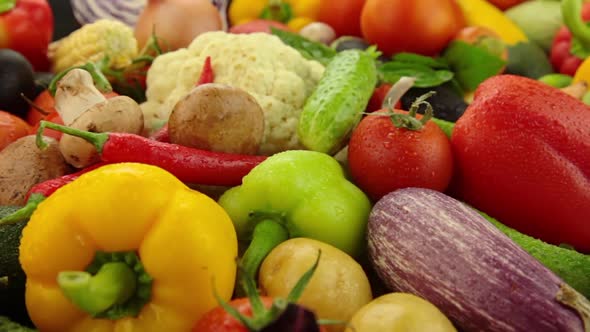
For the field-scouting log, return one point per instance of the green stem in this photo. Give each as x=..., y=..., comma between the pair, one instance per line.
x=277, y=10
x=96, y=139
x=115, y=283
x=100, y=81
x=266, y=236
x=6, y=5
x=25, y=212
x=571, y=11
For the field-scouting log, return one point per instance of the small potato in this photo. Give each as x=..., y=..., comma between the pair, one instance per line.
x=400, y=312
x=338, y=288
x=23, y=165
x=218, y=117
x=119, y=114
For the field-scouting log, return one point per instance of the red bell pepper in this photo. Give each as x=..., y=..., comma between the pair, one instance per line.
x=26, y=26
x=522, y=155
x=571, y=44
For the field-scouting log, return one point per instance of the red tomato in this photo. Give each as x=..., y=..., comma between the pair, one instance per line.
x=218, y=320
x=423, y=27
x=344, y=16
x=383, y=158
x=52, y=117
x=11, y=128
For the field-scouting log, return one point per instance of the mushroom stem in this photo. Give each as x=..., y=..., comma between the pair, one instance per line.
x=76, y=94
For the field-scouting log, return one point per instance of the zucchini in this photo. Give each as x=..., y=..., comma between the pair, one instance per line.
x=573, y=267
x=12, y=277
x=424, y=242
x=337, y=104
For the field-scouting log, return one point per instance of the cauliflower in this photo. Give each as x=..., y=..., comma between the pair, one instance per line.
x=276, y=75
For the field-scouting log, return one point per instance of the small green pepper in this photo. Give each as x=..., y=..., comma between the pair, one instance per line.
x=292, y=194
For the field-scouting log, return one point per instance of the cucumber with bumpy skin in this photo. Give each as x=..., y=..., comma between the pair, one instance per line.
x=337, y=103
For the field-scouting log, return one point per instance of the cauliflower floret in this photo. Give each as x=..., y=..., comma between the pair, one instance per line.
x=276, y=75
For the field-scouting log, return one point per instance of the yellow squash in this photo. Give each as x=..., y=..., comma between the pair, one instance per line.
x=126, y=247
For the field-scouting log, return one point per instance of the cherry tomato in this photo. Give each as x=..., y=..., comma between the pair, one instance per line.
x=423, y=27
x=11, y=128
x=383, y=157
x=218, y=320
x=51, y=117
x=344, y=16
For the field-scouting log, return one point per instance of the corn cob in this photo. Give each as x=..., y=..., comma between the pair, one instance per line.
x=92, y=43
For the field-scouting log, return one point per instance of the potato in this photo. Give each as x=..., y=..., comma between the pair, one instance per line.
x=23, y=165
x=400, y=312
x=338, y=288
x=218, y=117
x=119, y=114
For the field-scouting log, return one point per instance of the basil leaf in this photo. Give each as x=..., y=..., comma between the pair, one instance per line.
x=471, y=64
x=425, y=76
x=436, y=63
x=309, y=49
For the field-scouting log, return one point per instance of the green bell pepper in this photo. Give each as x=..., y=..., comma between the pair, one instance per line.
x=292, y=194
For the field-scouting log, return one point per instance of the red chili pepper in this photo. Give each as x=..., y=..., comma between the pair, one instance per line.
x=161, y=135
x=207, y=75
x=187, y=164
x=571, y=44
x=41, y=191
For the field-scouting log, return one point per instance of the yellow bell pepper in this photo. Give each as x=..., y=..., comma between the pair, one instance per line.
x=295, y=13
x=583, y=72
x=126, y=247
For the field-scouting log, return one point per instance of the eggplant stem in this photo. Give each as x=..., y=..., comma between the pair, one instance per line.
x=571, y=298
x=33, y=105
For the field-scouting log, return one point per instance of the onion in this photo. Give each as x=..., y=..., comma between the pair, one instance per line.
x=176, y=22
x=89, y=11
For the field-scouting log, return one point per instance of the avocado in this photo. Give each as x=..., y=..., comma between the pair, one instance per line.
x=571, y=266
x=12, y=277
x=529, y=60
x=539, y=20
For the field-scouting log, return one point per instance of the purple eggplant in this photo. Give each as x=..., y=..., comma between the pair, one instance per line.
x=426, y=243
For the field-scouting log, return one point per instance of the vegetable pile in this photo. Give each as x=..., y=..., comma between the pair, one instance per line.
x=295, y=166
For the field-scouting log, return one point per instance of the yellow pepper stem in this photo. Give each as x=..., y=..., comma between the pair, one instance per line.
x=277, y=10
x=266, y=236
x=114, y=286
x=114, y=283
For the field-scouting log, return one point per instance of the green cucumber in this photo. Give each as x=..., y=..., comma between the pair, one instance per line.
x=12, y=277
x=570, y=265
x=6, y=325
x=338, y=102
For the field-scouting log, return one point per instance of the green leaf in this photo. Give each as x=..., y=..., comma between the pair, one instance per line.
x=6, y=5
x=309, y=49
x=435, y=63
x=472, y=64
x=425, y=76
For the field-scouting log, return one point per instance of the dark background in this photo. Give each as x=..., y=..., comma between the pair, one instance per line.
x=63, y=18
